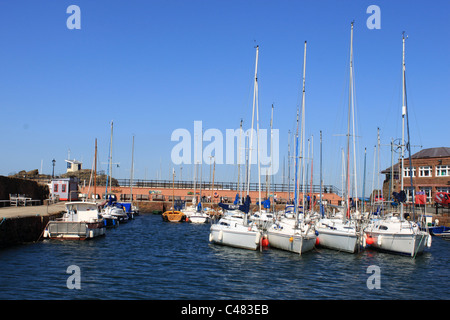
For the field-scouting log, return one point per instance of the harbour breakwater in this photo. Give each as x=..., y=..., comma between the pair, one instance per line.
x=19, y=230
x=20, y=225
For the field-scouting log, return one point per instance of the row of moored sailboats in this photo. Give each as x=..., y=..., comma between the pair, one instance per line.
x=302, y=232
x=298, y=230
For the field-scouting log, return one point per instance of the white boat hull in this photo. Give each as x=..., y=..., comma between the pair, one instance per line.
x=338, y=240
x=198, y=219
x=291, y=242
x=409, y=244
x=68, y=230
x=235, y=238
x=394, y=235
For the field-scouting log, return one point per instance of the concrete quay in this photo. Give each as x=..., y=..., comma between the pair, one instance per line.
x=42, y=210
x=25, y=224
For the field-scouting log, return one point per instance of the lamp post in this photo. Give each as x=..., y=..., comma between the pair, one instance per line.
x=53, y=171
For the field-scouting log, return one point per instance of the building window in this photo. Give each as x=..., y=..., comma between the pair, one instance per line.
x=63, y=188
x=406, y=172
x=443, y=189
x=409, y=191
x=55, y=188
x=442, y=171
x=425, y=171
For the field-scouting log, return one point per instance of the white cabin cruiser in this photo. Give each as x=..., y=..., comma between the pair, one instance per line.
x=81, y=221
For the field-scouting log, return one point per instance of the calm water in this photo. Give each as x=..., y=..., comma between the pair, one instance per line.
x=151, y=259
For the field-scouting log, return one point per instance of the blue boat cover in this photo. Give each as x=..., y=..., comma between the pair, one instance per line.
x=244, y=207
x=237, y=199
x=126, y=205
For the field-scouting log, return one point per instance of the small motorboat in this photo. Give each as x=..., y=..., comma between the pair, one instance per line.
x=81, y=221
x=174, y=216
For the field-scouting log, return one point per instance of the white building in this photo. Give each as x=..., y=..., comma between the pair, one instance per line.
x=65, y=189
x=73, y=165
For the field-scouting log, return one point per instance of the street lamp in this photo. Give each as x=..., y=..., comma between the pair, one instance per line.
x=53, y=171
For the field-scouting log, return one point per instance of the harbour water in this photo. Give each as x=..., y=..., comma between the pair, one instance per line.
x=148, y=259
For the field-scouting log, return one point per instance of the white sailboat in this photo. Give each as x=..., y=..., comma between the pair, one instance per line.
x=132, y=205
x=342, y=232
x=393, y=233
x=294, y=234
x=264, y=218
x=110, y=209
x=195, y=213
x=338, y=234
x=233, y=228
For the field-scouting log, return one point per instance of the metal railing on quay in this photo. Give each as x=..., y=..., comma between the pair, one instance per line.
x=254, y=186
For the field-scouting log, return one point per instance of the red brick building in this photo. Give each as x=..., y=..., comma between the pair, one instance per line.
x=430, y=172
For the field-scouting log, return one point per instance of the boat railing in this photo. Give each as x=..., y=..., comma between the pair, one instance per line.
x=68, y=227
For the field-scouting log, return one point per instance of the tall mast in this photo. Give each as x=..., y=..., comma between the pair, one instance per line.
x=312, y=172
x=214, y=172
x=378, y=163
x=257, y=143
x=289, y=166
x=372, y=202
x=201, y=168
x=239, y=162
x=253, y=118
x=173, y=190
x=392, y=169
x=402, y=154
x=303, y=132
x=95, y=170
x=355, y=195
x=405, y=113
x=321, y=206
x=296, y=185
x=302, y=137
x=350, y=95
x=108, y=173
x=132, y=171
x=364, y=182
x=271, y=160
x=110, y=159
x=194, y=200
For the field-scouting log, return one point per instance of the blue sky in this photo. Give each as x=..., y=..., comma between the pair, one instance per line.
x=156, y=66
